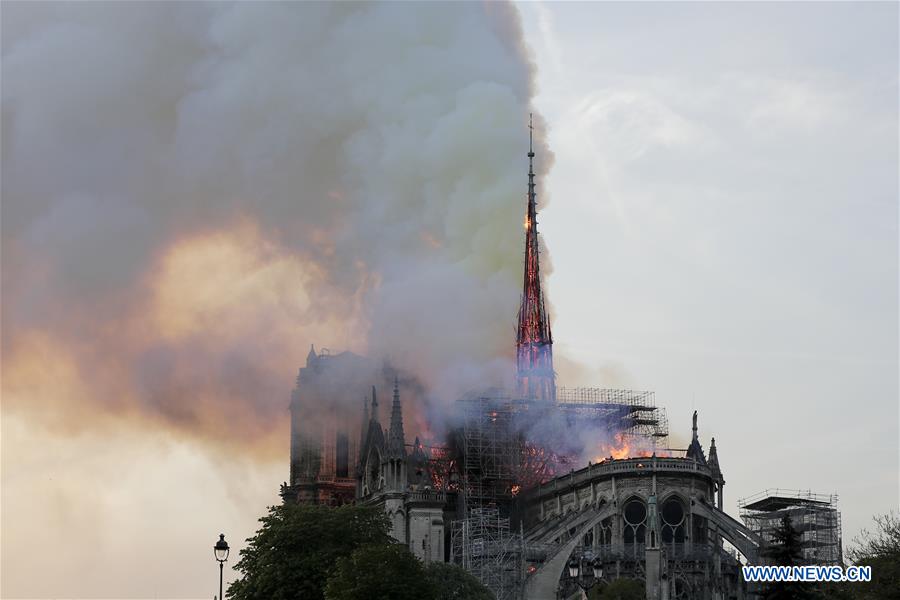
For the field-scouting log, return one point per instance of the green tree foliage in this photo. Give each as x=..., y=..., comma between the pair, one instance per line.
x=786, y=549
x=294, y=551
x=879, y=549
x=452, y=582
x=315, y=552
x=619, y=589
x=385, y=572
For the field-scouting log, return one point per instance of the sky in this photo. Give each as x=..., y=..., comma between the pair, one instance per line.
x=723, y=227
x=193, y=194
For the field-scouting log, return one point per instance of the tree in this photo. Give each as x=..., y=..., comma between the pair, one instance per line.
x=881, y=551
x=621, y=589
x=295, y=550
x=786, y=550
x=455, y=583
x=380, y=572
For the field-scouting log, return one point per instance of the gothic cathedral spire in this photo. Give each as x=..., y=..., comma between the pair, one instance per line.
x=396, y=443
x=534, y=342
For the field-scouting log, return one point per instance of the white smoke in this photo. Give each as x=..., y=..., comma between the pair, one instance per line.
x=355, y=172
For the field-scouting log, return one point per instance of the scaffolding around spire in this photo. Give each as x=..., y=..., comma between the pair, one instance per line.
x=535, y=377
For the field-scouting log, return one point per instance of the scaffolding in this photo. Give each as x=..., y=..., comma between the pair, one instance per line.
x=506, y=444
x=491, y=451
x=632, y=413
x=815, y=517
x=484, y=546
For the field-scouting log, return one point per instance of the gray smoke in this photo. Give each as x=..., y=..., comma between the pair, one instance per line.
x=195, y=192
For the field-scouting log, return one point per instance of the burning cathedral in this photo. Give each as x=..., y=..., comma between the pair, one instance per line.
x=538, y=491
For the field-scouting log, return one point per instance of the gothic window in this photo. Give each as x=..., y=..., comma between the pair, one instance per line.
x=674, y=521
x=635, y=526
x=342, y=455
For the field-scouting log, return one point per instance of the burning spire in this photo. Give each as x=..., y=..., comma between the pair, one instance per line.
x=534, y=342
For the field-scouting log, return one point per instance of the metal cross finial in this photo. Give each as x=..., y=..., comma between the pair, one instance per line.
x=530, y=134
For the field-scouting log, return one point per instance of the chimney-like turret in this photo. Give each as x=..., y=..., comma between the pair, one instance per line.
x=717, y=473
x=714, y=458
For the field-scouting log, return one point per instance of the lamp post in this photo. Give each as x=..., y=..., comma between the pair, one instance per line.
x=580, y=575
x=221, y=551
x=597, y=568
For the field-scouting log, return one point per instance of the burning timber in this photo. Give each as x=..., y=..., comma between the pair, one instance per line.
x=508, y=444
x=533, y=484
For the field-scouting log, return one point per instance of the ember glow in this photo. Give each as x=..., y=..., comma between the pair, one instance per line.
x=625, y=446
x=620, y=448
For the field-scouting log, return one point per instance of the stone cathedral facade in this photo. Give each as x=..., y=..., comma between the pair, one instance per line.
x=399, y=481
x=337, y=459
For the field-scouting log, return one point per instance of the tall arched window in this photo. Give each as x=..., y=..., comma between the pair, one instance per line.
x=634, y=515
x=674, y=520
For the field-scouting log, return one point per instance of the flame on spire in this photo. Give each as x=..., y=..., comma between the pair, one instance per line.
x=534, y=342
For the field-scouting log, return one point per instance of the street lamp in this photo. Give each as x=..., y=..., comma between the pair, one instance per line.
x=573, y=567
x=579, y=573
x=597, y=568
x=221, y=551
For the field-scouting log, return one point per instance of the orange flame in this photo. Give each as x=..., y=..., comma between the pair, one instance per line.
x=623, y=447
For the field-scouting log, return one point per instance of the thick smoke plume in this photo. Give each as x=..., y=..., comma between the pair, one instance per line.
x=195, y=192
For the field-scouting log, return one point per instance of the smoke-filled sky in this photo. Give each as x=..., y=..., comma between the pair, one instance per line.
x=192, y=194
